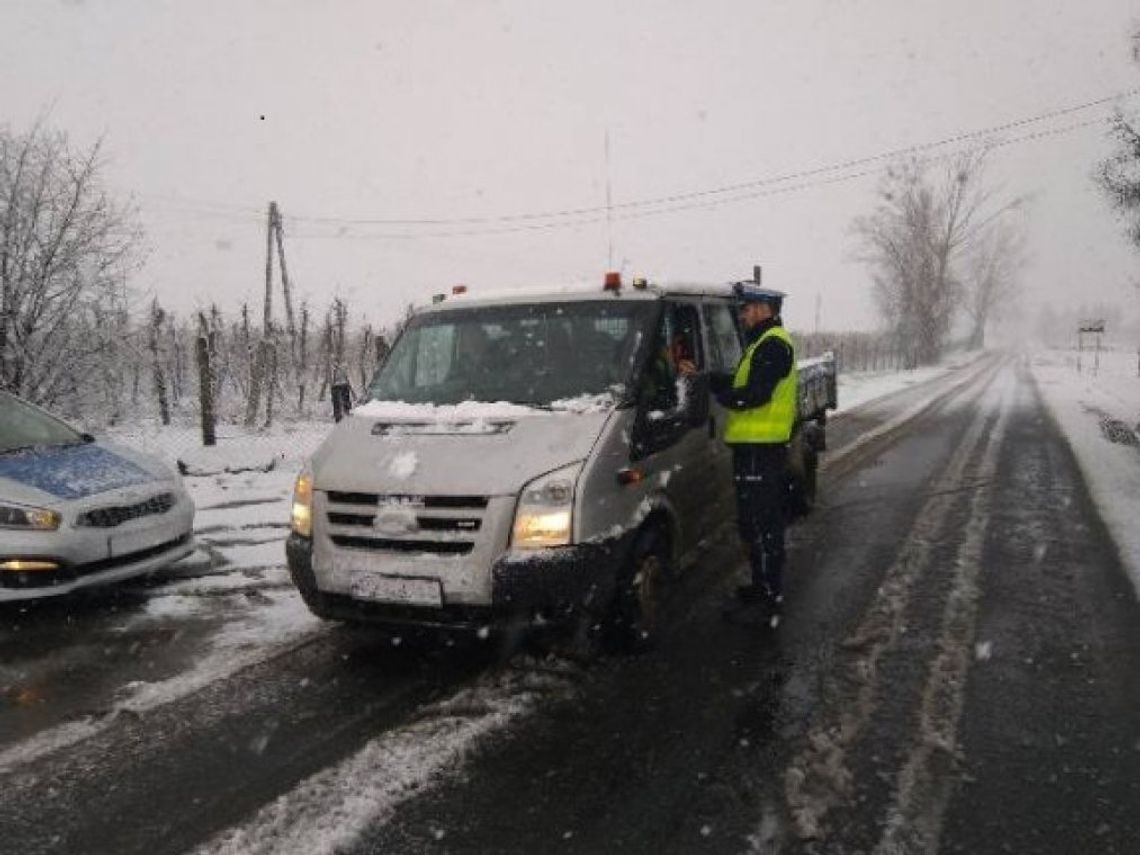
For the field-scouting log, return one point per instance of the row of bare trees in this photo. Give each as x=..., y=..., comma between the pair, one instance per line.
x=243, y=375
x=70, y=339
x=940, y=246
x=151, y=366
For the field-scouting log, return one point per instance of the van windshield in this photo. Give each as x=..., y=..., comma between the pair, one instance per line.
x=537, y=354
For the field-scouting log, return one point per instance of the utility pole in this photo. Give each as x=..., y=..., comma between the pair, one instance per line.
x=290, y=323
x=267, y=310
x=260, y=372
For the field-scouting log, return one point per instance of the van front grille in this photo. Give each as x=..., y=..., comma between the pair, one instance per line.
x=376, y=499
x=441, y=525
x=386, y=544
x=423, y=523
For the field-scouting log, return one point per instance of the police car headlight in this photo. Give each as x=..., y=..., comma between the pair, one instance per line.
x=301, y=517
x=543, y=515
x=25, y=518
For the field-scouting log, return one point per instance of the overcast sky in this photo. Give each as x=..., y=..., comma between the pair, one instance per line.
x=348, y=113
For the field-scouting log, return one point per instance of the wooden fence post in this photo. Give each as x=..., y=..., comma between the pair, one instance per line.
x=206, y=392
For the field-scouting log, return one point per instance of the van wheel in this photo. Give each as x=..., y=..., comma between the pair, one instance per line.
x=316, y=603
x=640, y=593
x=801, y=487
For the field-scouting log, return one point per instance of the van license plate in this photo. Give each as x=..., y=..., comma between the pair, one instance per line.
x=397, y=589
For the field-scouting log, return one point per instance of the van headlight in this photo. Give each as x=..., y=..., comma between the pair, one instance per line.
x=28, y=518
x=301, y=517
x=544, y=511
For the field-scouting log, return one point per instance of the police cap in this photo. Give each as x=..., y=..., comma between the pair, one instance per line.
x=750, y=292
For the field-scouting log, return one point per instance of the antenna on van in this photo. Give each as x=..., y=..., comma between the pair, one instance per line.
x=756, y=273
x=609, y=208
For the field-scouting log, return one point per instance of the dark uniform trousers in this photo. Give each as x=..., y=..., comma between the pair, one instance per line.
x=759, y=474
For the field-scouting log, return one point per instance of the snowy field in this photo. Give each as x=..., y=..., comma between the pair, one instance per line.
x=1097, y=405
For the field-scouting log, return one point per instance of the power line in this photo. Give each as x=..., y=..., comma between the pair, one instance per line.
x=575, y=217
x=779, y=179
x=738, y=197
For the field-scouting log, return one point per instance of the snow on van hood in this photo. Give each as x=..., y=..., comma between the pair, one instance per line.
x=472, y=448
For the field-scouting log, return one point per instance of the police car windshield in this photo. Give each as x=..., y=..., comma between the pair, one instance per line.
x=24, y=426
x=536, y=354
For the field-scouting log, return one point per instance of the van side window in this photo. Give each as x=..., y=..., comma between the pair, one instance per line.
x=678, y=339
x=724, y=337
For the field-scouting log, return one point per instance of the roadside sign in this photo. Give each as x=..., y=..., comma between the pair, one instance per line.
x=1095, y=328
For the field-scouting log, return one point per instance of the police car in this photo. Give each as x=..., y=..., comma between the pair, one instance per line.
x=76, y=511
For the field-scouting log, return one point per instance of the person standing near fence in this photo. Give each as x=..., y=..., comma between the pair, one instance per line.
x=760, y=397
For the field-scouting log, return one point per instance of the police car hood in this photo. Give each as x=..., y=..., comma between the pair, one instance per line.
x=468, y=449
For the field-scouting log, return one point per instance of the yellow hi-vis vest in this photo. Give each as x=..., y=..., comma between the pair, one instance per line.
x=770, y=422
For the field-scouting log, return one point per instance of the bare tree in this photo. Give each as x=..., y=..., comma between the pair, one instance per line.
x=992, y=276
x=915, y=242
x=66, y=249
x=1119, y=175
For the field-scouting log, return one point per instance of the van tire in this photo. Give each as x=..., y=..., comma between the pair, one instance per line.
x=316, y=602
x=637, y=603
x=802, y=486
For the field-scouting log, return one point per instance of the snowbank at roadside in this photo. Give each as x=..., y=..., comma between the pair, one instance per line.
x=1100, y=414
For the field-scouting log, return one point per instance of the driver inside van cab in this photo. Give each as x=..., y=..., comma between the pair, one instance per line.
x=673, y=361
x=681, y=355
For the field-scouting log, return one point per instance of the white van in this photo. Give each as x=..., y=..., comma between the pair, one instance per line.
x=530, y=457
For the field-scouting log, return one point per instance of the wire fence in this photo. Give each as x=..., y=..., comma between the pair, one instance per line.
x=854, y=351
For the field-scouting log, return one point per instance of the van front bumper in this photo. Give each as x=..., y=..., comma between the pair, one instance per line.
x=552, y=582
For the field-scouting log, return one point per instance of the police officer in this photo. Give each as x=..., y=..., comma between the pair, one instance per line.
x=761, y=400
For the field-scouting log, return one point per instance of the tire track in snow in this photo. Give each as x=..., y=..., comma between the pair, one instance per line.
x=914, y=821
x=328, y=811
x=219, y=664
x=817, y=779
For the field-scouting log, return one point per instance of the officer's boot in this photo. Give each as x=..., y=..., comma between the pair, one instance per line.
x=757, y=592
